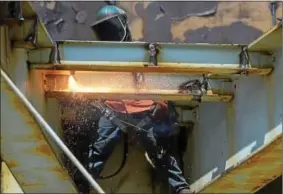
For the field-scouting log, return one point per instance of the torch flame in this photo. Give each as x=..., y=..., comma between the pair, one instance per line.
x=75, y=87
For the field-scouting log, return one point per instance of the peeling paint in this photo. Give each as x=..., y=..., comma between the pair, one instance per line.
x=142, y=16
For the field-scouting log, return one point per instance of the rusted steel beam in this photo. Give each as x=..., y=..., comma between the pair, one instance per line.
x=269, y=42
x=111, y=85
x=184, y=68
x=154, y=95
x=135, y=57
x=26, y=151
x=251, y=175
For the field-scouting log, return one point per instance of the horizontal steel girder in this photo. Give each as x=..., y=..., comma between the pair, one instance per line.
x=121, y=85
x=26, y=151
x=134, y=57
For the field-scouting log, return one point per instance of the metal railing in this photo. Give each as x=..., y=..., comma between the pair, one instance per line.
x=44, y=125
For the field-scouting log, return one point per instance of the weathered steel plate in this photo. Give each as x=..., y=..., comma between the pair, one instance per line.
x=270, y=41
x=253, y=173
x=8, y=181
x=26, y=151
x=19, y=32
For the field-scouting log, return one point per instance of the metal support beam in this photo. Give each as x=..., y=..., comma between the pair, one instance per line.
x=110, y=85
x=135, y=57
x=269, y=42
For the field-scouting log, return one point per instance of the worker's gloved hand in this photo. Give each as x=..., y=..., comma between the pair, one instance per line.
x=161, y=111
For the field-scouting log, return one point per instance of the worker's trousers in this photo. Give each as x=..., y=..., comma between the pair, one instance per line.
x=108, y=135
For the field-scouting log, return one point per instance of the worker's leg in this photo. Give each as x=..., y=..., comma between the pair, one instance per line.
x=165, y=164
x=102, y=146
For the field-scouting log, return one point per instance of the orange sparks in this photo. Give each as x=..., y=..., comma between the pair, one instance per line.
x=75, y=87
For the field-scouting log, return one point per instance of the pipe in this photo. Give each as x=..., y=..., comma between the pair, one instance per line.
x=49, y=130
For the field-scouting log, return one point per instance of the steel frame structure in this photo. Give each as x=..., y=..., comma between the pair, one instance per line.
x=66, y=57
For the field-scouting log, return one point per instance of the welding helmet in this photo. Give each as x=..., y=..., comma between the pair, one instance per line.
x=111, y=24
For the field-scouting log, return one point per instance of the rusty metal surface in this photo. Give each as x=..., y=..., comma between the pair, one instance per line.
x=155, y=86
x=273, y=187
x=149, y=23
x=252, y=174
x=26, y=151
x=162, y=68
x=252, y=121
x=269, y=42
x=154, y=95
x=19, y=32
x=8, y=181
x=56, y=80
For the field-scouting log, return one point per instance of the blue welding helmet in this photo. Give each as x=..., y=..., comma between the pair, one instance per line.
x=111, y=24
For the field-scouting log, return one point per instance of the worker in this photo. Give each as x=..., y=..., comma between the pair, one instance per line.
x=112, y=25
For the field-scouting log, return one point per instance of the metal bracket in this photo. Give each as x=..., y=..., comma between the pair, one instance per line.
x=138, y=79
x=11, y=13
x=152, y=50
x=54, y=57
x=15, y=10
x=244, y=61
x=195, y=113
x=32, y=37
x=196, y=88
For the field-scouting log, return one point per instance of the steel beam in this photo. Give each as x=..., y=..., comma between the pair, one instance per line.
x=119, y=85
x=153, y=95
x=26, y=151
x=134, y=57
x=269, y=42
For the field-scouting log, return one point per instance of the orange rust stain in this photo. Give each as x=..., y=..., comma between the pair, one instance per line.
x=60, y=171
x=12, y=164
x=36, y=134
x=24, y=184
x=29, y=120
x=44, y=149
